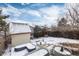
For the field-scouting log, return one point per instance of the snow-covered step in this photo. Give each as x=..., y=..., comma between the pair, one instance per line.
x=23, y=49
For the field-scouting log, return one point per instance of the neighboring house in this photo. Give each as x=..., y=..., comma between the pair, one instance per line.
x=20, y=32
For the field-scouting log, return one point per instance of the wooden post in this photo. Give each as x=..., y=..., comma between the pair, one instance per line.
x=62, y=49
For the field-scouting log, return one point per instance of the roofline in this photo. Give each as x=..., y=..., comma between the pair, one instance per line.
x=20, y=33
x=19, y=23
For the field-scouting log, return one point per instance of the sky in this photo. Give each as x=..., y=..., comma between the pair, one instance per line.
x=37, y=13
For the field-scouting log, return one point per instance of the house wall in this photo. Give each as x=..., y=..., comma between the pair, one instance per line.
x=18, y=39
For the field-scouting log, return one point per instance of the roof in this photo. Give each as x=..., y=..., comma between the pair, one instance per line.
x=20, y=22
x=18, y=26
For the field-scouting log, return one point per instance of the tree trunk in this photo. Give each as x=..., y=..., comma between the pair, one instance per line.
x=5, y=38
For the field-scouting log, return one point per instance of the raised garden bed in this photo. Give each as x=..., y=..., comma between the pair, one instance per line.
x=60, y=51
x=74, y=47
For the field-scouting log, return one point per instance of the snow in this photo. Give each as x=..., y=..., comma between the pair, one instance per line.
x=19, y=28
x=30, y=46
x=49, y=48
x=7, y=52
x=50, y=41
x=19, y=21
x=34, y=43
x=19, y=46
x=23, y=52
x=54, y=40
x=19, y=53
x=65, y=52
x=40, y=52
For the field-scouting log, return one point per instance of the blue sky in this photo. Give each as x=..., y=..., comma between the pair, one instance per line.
x=37, y=13
x=31, y=5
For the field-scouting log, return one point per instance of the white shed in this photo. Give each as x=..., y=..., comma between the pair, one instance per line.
x=20, y=32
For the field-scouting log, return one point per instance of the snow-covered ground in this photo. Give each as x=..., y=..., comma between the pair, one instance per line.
x=53, y=40
x=45, y=41
x=7, y=52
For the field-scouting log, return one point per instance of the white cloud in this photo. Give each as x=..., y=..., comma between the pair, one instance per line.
x=50, y=14
x=38, y=4
x=47, y=15
x=24, y=3
x=34, y=12
x=17, y=12
x=10, y=10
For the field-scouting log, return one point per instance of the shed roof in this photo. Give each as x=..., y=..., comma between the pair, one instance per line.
x=18, y=26
x=20, y=21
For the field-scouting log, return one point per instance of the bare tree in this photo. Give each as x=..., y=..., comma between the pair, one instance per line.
x=62, y=22
x=73, y=13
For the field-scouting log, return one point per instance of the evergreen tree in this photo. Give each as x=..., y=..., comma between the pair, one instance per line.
x=3, y=24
